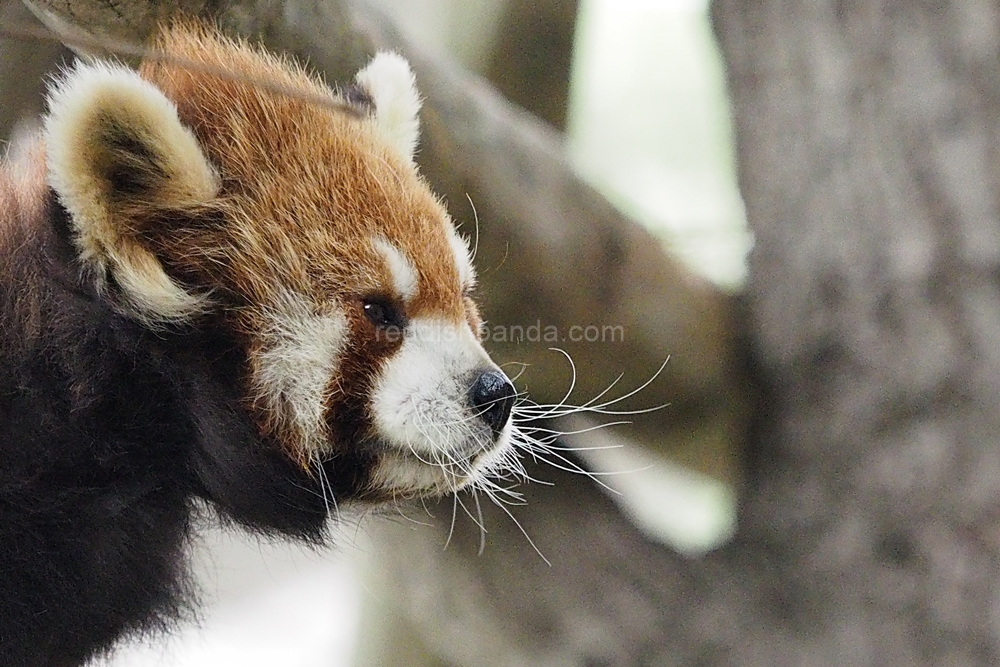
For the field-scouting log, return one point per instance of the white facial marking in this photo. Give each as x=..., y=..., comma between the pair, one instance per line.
x=404, y=276
x=460, y=249
x=421, y=406
x=301, y=355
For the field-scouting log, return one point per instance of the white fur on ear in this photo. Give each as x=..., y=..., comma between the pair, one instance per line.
x=390, y=82
x=115, y=146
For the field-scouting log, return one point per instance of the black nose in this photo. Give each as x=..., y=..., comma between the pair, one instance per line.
x=492, y=396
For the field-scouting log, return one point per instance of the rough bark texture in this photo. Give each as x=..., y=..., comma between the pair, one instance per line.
x=868, y=145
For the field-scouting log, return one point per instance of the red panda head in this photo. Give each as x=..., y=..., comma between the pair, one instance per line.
x=222, y=186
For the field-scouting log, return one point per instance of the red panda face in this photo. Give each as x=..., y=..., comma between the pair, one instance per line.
x=293, y=218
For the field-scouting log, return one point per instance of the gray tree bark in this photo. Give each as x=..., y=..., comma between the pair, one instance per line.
x=868, y=143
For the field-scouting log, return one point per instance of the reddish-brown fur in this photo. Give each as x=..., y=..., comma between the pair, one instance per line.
x=306, y=184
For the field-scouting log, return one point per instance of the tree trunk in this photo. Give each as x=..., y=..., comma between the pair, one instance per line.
x=868, y=144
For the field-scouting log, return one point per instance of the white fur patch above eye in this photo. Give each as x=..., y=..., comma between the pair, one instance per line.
x=404, y=276
x=107, y=126
x=390, y=82
x=301, y=353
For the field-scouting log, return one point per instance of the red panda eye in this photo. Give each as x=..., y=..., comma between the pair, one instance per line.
x=383, y=314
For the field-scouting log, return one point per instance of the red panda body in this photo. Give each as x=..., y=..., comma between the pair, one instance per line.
x=214, y=289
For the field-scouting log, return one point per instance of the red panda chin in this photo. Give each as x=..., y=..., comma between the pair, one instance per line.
x=402, y=474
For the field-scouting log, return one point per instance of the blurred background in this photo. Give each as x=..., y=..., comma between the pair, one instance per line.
x=637, y=89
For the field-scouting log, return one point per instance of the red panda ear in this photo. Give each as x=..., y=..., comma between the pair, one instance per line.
x=389, y=81
x=116, y=151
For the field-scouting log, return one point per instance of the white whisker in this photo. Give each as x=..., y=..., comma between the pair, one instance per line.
x=475, y=216
x=523, y=531
x=454, y=513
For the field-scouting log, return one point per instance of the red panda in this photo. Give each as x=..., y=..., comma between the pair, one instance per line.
x=212, y=289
